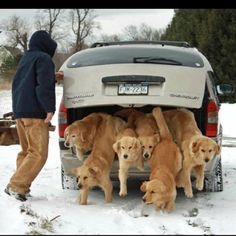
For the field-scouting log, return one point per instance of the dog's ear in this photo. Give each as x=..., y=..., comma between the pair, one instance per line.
x=137, y=143
x=217, y=149
x=82, y=137
x=116, y=146
x=94, y=171
x=160, y=185
x=157, y=138
x=194, y=146
x=74, y=171
x=143, y=186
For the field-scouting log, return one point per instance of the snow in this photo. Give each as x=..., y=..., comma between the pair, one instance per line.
x=205, y=213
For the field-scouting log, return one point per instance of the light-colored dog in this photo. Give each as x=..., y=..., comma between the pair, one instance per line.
x=165, y=163
x=146, y=128
x=129, y=151
x=81, y=133
x=197, y=149
x=95, y=170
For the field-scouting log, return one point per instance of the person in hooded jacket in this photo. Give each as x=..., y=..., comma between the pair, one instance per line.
x=34, y=104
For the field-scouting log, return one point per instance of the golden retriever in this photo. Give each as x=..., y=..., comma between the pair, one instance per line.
x=197, y=149
x=129, y=151
x=81, y=133
x=165, y=163
x=95, y=170
x=146, y=128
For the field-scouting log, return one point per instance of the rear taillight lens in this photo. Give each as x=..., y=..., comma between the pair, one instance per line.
x=212, y=119
x=62, y=119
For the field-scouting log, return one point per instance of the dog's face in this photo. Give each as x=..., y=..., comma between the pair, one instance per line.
x=128, y=148
x=204, y=149
x=154, y=191
x=148, y=143
x=79, y=134
x=87, y=176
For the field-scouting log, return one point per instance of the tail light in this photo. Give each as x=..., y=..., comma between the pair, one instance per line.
x=212, y=119
x=62, y=119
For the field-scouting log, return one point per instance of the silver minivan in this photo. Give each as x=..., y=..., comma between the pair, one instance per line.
x=109, y=76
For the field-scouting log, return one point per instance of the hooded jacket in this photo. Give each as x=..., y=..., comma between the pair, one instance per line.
x=33, y=87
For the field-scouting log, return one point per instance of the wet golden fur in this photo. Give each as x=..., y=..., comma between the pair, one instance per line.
x=197, y=149
x=129, y=151
x=95, y=170
x=165, y=163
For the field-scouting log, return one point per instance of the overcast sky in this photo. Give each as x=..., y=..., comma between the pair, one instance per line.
x=112, y=21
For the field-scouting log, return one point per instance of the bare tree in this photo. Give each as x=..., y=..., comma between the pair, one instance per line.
x=144, y=32
x=17, y=31
x=131, y=32
x=49, y=20
x=107, y=38
x=82, y=22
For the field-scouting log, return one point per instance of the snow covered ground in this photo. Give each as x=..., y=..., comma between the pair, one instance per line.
x=53, y=210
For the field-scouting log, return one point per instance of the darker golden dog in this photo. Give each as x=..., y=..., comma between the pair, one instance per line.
x=129, y=151
x=95, y=170
x=81, y=133
x=197, y=149
x=165, y=163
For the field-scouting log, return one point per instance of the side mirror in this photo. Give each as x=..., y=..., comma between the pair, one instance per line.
x=225, y=89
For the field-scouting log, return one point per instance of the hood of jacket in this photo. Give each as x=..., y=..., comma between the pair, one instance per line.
x=41, y=40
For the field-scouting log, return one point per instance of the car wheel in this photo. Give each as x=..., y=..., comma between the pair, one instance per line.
x=68, y=181
x=214, y=182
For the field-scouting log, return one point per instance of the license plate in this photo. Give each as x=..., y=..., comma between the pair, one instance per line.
x=133, y=89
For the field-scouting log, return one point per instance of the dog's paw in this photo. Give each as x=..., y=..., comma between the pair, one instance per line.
x=199, y=186
x=188, y=193
x=123, y=193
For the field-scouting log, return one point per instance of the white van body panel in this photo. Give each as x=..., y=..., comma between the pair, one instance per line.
x=183, y=86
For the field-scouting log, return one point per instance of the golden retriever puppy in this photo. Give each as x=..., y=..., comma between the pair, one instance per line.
x=128, y=149
x=146, y=128
x=95, y=170
x=197, y=149
x=81, y=133
x=165, y=163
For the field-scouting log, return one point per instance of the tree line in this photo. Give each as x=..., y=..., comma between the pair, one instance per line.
x=213, y=32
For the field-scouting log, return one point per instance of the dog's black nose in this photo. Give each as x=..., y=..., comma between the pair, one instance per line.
x=144, y=200
x=125, y=156
x=146, y=155
x=80, y=186
x=206, y=159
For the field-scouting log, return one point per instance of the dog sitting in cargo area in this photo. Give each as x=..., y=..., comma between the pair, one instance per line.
x=197, y=149
x=81, y=133
x=165, y=163
x=146, y=128
x=129, y=151
x=95, y=170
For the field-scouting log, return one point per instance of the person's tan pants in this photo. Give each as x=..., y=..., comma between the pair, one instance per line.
x=34, y=137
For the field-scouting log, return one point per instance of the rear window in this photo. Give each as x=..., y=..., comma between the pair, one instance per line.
x=136, y=54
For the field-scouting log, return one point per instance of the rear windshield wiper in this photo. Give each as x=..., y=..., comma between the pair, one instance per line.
x=157, y=60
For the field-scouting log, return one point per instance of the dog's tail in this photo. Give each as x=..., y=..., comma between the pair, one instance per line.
x=161, y=123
